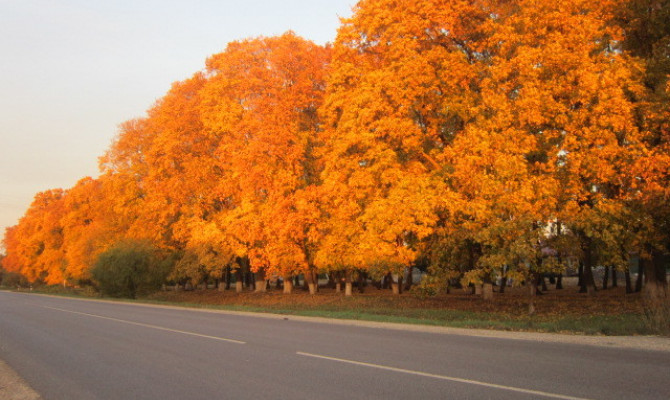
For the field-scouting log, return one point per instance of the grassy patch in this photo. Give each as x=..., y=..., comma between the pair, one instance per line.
x=608, y=313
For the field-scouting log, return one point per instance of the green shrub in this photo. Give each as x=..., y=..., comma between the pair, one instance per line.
x=131, y=268
x=12, y=279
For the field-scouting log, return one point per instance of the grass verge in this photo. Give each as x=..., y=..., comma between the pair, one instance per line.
x=607, y=315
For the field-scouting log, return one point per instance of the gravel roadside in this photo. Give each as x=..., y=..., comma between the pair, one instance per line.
x=13, y=387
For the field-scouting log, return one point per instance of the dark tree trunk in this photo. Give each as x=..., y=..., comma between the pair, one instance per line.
x=503, y=283
x=606, y=275
x=533, y=292
x=315, y=278
x=543, y=281
x=386, y=281
x=640, y=272
x=305, y=281
x=614, y=278
x=239, y=281
x=580, y=278
x=559, y=278
x=655, y=295
x=337, y=279
x=655, y=273
x=361, y=281
x=410, y=278
x=588, y=283
x=629, y=284
x=227, y=278
x=658, y=266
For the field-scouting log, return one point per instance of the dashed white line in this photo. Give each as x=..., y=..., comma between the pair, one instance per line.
x=444, y=377
x=123, y=321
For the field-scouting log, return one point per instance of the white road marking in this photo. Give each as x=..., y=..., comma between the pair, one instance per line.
x=443, y=377
x=149, y=326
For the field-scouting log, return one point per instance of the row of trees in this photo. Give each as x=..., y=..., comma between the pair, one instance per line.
x=479, y=138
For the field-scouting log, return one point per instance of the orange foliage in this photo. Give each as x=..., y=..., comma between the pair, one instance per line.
x=455, y=131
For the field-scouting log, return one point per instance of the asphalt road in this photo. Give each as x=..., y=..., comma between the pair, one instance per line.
x=73, y=349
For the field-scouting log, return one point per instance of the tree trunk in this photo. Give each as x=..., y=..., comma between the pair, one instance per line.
x=478, y=289
x=396, y=284
x=589, y=281
x=386, y=281
x=315, y=278
x=614, y=278
x=559, y=281
x=260, y=283
x=309, y=280
x=629, y=284
x=655, y=273
x=410, y=278
x=361, y=281
x=543, y=282
x=532, y=292
x=640, y=273
x=606, y=276
x=395, y=288
x=228, y=277
x=347, y=282
x=239, y=284
x=288, y=284
x=488, y=291
x=503, y=284
x=251, y=280
x=337, y=277
x=331, y=280
x=655, y=295
x=580, y=278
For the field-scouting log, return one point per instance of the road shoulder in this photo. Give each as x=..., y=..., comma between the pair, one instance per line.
x=13, y=387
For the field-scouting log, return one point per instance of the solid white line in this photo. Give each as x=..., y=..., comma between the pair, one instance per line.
x=443, y=377
x=149, y=326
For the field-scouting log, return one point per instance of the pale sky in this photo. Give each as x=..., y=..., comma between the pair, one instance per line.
x=72, y=70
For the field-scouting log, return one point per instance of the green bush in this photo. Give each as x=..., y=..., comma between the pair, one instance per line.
x=131, y=268
x=12, y=279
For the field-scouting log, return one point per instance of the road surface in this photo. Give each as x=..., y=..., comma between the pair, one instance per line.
x=74, y=349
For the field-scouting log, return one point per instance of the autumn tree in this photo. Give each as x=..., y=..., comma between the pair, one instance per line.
x=398, y=94
x=35, y=246
x=647, y=36
x=261, y=101
x=87, y=231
